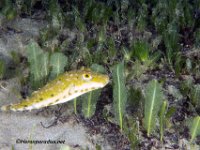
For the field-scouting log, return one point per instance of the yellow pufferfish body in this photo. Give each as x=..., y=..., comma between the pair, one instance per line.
x=62, y=89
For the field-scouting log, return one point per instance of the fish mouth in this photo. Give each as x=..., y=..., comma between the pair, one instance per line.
x=106, y=80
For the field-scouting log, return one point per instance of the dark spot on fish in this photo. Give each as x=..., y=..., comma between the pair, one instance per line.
x=76, y=91
x=50, y=104
x=56, y=100
x=82, y=91
x=93, y=88
x=52, y=95
x=41, y=98
x=25, y=105
x=70, y=93
x=37, y=100
x=64, y=96
x=86, y=90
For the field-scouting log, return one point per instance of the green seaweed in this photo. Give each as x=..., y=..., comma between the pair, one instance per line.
x=171, y=38
x=75, y=105
x=58, y=62
x=194, y=127
x=119, y=93
x=131, y=129
x=142, y=17
x=98, y=13
x=140, y=49
x=8, y=10
x=195, y=95
x=153, y=101
x=79, y=22
x=44, y=59
x=56, y=15
x=89, y=103
x=35, y=55
x=162, y=118
x=44, y=66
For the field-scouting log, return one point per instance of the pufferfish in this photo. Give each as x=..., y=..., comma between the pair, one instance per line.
x=64, y=88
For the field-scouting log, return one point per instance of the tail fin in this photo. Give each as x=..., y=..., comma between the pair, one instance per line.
x=5, y=108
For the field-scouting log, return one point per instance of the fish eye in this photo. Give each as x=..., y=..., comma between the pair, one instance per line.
x=87, y=76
